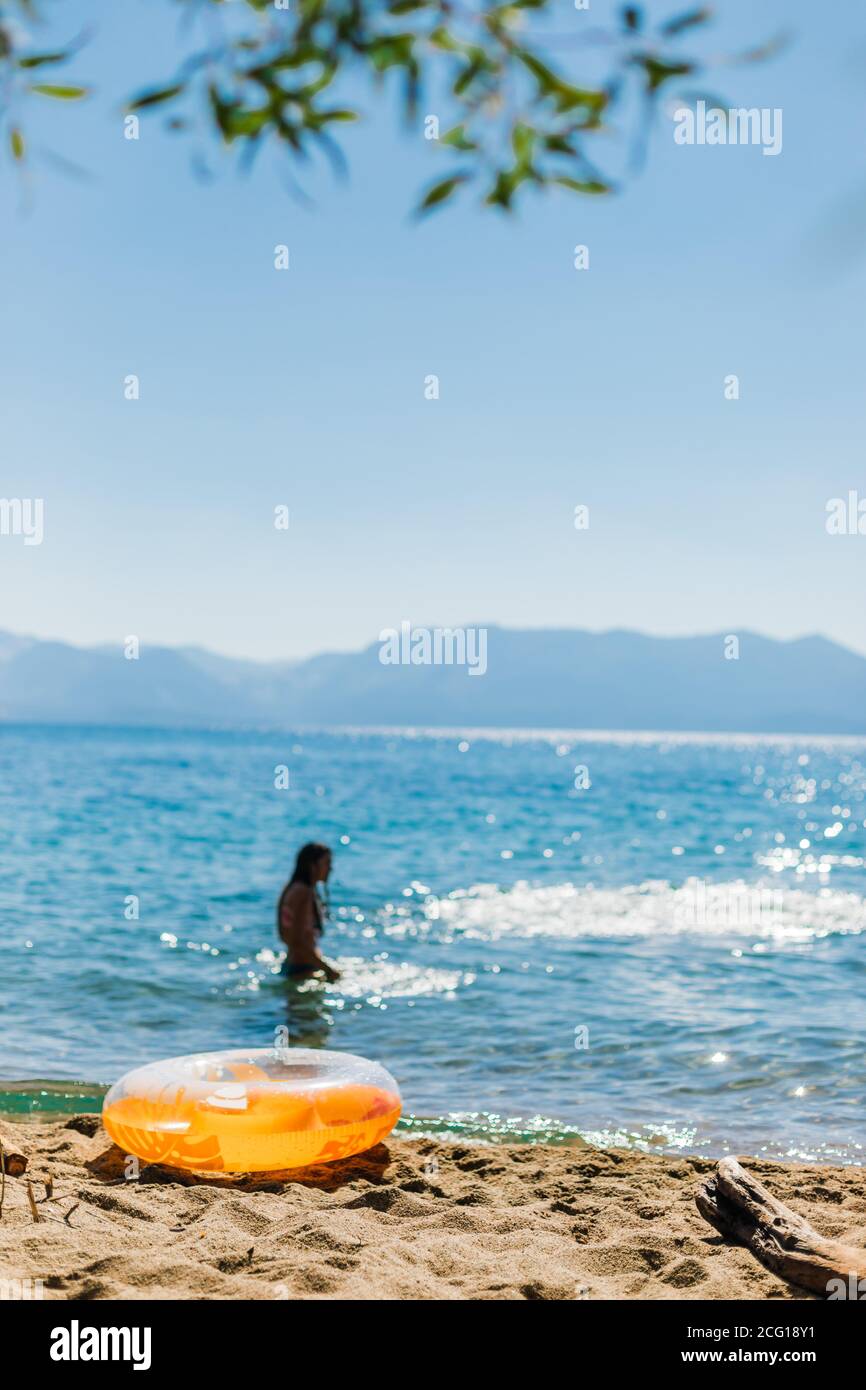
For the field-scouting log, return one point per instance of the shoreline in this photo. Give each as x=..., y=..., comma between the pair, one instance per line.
x=35, y=1101
x=410, y=1219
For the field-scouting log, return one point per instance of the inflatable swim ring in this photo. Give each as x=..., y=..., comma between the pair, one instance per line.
x=246, y=1112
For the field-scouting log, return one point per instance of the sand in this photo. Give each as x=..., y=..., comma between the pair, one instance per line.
x=411, y=1219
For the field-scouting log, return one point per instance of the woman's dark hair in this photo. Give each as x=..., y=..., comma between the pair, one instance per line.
x=308, y=855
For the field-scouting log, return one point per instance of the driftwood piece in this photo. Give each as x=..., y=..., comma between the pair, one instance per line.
x=742, y=1209
x=13, y=1161
x=34, y=1210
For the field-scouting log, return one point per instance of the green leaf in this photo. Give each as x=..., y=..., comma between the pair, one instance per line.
x=458, y=139
x=441, y=38
x=502, y=191
x=392, y=50
x=686, y=21
x=568, y=97
x=231, y=119
x=154, y=97
x=16, y=140
x=40, y=60
x=559, y=144
x=236, y=121
x=477, y=64
x=59, y=93
x=583, y=185
x=522, y=142
x=441, y=191
x=547, y=80
x=565, y=96
x=658, y=71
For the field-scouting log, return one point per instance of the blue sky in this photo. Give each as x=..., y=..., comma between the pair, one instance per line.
x=557, y=388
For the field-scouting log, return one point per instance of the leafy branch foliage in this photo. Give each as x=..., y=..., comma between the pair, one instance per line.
x=516, y=115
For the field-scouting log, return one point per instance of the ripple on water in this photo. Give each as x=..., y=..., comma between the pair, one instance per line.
x=784, y=916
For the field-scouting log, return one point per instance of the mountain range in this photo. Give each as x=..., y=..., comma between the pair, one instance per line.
x=538, y=678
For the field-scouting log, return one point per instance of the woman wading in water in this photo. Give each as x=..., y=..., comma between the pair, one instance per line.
x=300, y=914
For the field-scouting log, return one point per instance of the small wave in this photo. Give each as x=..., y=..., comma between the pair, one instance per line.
x=381, y=978
x=783, y=915
x=373, y=980
x=51, y=1098
x=485, y=1127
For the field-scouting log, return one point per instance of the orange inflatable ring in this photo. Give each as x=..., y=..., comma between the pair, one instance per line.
x=248, y=1112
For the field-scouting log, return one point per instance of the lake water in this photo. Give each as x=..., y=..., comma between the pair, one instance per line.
x=653, y=941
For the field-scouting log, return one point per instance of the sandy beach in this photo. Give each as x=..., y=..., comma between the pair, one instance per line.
x=410, y=1219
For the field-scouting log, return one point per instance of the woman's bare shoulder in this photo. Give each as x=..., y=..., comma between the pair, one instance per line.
x=297, y=892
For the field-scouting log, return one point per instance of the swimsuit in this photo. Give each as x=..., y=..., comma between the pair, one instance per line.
x=289, y=966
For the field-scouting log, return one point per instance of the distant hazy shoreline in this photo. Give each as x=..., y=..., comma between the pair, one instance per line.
x=532, y=679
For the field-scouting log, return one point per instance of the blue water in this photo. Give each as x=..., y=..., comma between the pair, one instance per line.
x=483, y=909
